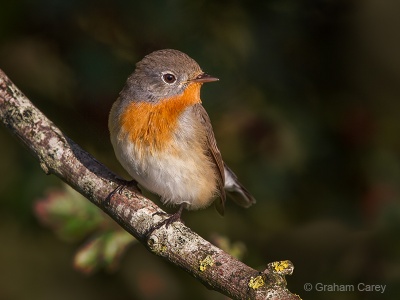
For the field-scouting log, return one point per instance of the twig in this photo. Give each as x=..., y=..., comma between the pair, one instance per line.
x=59, y=155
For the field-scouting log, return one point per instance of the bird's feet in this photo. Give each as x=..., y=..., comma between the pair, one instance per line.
x=168, y=221
x=120, y=187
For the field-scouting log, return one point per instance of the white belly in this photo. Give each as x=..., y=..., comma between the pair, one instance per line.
x=180, y=173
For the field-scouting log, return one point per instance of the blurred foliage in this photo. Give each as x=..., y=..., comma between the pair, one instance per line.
x=306, y=113
x=65, y=212
x=73, y=218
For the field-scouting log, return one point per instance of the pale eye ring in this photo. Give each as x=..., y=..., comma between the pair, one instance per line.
x=169, y=78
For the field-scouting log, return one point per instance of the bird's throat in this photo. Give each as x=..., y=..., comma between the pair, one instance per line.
x=151, y=125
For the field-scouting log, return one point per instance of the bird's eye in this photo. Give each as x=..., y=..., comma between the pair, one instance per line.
x=169, y=78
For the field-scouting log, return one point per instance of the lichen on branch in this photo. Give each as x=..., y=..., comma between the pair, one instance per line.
x=59, y=155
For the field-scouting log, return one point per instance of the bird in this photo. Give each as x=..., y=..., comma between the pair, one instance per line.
x=163, y=137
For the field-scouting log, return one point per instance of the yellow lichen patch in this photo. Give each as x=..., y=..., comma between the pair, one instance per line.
x=205, y=263
x=162, y=249
x=284, y=267
x=256, y=282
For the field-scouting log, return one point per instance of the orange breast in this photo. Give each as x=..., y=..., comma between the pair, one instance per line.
x=152, y=125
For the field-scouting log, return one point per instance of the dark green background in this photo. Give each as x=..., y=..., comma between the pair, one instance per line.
x=307, y=113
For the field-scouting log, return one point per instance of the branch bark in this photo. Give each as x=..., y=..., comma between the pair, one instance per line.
x=59, y=155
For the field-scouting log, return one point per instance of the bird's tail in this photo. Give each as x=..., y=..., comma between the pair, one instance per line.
x=236, y=191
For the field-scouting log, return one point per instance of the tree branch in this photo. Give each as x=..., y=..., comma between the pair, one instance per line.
x=59, y=155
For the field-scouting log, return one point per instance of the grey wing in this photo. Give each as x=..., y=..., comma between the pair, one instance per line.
x=239, y=194
x=215, y=155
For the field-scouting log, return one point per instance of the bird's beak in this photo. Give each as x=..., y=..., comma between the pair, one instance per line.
x=204, y=77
